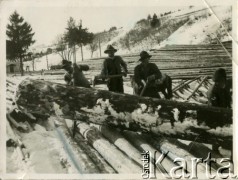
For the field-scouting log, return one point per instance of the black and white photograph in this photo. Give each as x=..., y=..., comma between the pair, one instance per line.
x=114, y=89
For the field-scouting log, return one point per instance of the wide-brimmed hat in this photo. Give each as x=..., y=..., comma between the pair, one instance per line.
x=144, y=55
x=110, y=48
x=66, y=63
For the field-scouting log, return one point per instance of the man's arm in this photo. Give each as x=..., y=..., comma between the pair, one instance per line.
x=212, y=97
x=156, y=73
x=84, y=67
x=124, y=65
x=67, y=79
x=104, y=71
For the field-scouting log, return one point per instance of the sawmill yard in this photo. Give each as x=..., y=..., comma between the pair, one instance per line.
x=46, y=145
x=112, y=129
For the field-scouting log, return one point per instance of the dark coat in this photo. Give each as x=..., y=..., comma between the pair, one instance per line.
x=113, y=66
x=142, y=73
x=77, y=77
x=219, y=97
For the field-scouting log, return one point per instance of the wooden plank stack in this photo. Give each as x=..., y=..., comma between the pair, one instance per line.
x=104, y=118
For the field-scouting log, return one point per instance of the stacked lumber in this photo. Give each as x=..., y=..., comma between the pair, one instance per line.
x=99, y=147
x=111, y=115
x=170, y=118
x=182, y=61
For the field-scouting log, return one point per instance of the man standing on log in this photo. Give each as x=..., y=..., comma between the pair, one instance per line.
x=145, y=75
x=74, y=75
x=112, y=67
x=219, y=94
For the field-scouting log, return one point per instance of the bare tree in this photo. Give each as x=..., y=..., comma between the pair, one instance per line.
x=62, y=48
x=93, y=47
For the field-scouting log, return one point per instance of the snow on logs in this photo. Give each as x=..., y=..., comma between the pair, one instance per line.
x=119, y=161
x=163, y=117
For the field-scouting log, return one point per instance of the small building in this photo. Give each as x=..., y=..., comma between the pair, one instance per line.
x=12, y=67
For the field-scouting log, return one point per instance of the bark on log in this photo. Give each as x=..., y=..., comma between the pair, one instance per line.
x=170, y=118
x=118, y=140
x=102, y=165
x=77, y=155
x=18, y=126
x=114, y=156
x=165, y=166
x=176, y=150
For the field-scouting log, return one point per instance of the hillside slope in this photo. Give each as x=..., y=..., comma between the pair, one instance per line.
x=190, y=25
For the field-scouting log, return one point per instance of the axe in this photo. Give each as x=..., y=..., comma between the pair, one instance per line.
x=96, y=79
x=145, y=86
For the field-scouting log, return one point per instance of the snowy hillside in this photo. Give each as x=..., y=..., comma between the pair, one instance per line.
x=203, y=28
x=188, y=25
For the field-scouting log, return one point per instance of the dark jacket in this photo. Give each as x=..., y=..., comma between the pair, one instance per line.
x=77, y=77
x=142, y=73
x=219, y=97
x=112, y=66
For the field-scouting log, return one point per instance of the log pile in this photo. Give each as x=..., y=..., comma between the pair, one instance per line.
x=182, y=61
x=170, y=118
x=161, y=122
x=92, y=145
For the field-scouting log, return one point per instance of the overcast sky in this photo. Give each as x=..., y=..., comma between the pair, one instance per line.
x=49, y=18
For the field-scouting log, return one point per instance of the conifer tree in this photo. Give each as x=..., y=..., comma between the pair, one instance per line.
x=20, y=37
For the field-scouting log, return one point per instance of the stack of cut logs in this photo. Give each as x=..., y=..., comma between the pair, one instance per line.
x=112, y=130
x=104, y=144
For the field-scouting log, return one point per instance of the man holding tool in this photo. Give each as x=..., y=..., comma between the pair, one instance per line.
x=74, y=74
x=111, y=70
x=145, y=76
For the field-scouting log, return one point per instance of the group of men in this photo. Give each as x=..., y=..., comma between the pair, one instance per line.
x=147, y=80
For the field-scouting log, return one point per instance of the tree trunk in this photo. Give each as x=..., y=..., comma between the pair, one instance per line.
x=164, y=117
x=92, y=54
x=21, y=66
x=33, y=64
x=81, y=47
x=47, y=63
x=74, y=54
x=99, y=45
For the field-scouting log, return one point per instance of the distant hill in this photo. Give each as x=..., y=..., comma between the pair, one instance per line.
x=191, y=25
x=188, y=25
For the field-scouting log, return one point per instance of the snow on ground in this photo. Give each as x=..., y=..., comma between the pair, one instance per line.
x=195, y=33
x=198, y=31
x=46, y=153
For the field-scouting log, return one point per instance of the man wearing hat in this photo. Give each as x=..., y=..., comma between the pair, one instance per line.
x=74, y=75
x=219, y=94
x=147, y=72
x=113, y=65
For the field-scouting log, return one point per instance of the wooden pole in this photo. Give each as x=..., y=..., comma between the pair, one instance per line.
x=198, y=86
x=184, y=84
x=170, y=118
x=77, y=155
